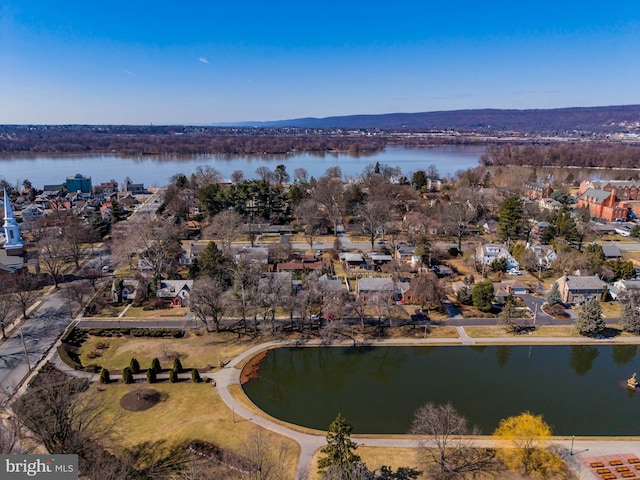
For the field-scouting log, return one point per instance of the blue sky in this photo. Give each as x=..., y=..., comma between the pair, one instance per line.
x=197, y=61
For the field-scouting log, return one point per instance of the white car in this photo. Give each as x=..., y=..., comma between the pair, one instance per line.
x=514, y=272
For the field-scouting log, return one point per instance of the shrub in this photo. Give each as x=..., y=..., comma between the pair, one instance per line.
x=127, y=375
x=69, y=358
x=173, y=376
x=177, y=365
x=155, y=365
x=454, y=252
x=151, y=376
x=134, y=365
x=195, y=375
x=104, y=376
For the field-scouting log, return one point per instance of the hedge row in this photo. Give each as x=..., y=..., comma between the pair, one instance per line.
x=69, y=358
x=74, y=336
x=137, y=332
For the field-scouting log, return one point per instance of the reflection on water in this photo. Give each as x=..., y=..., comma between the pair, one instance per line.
x=378, y=389
x=152, y=170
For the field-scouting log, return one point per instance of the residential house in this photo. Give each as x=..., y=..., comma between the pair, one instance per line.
x=537, y=191
x=384, y=288
x=580, y=288
x=545, y=255
x=177, y=292
x=130, y=290
x=407, y=254
x=488, y=253
x=540, y=227
x=549, y=204
x=490, y=226
x=509, y=287
x=611, y=252
x=331, y=284
x=32, y=212
x=191, y=251
x=252, y=254
x=352, y=261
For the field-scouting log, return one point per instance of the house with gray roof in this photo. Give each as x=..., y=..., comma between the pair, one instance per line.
x=578, y=289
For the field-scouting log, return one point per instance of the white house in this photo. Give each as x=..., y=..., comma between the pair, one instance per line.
x=488, y=253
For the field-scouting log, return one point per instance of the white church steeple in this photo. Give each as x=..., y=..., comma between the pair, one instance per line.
x=14, y=244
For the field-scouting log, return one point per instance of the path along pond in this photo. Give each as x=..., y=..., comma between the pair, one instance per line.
x=579, y=389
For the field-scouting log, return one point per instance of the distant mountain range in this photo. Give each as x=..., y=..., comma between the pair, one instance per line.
x=581, y=119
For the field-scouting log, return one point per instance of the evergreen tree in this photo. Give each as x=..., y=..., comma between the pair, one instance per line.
x=173, y=376
x=152, y=376
x=104, y=376
x=510, y=221
x=155, y=365
x=482, y=295
x=127, y=375
x=508, y=315
x=177, y=365
x=195, y=375
x=339, y=452
x=464, y=296
x=589, y=321
x=134, y=366
x=630, y=318
x=553, y=296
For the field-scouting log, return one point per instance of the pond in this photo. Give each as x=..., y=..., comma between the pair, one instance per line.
x=579, y=389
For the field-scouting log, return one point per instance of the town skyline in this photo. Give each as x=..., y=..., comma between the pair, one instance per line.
x=205, y=64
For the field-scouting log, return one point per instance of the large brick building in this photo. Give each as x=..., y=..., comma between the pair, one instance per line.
x=603, y=204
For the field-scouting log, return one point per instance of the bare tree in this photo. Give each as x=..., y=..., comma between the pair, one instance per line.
x=448, y=453
x=264, y=173
x=312, y=220
x=24, y=293
x=77, y=236
x=269, y=460
x=237, y=176
x=60, y=417
x=300, y=175
x=225, y=227
x=78, y=292
x=246, y=275
x=52, y=253
x=374, y=214
x=7, y=312
x=208, y=301
x=328, y=191
x=155, y=242
x=205, y=175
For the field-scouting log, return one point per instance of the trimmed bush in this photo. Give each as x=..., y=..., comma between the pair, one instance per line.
x=177, y=365
x=155, y=365
x=134, y=365
x=127, y=375
x=104, y=376
x=151, y=376
x=195, y=375
x=69, y=358
x=173, y=376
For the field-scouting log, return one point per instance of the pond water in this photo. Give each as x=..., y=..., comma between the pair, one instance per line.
x=579, y=389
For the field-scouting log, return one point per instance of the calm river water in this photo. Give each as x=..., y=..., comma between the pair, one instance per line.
x=580, y=390
x=156, y=170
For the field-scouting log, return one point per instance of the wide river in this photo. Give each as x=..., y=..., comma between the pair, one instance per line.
x=50, y=169
x=579, y=389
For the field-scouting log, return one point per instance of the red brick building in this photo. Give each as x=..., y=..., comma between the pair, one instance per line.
x=603, y=205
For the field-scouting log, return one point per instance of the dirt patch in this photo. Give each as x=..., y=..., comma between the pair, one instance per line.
x=140, y=400
x=252, y=368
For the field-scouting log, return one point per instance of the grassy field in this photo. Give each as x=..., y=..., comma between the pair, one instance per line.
x=139, y=312
x=194, y=351
x=376, y=457
x=612, y=331
x=188, y=411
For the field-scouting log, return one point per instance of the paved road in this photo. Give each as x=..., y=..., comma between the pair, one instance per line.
x=28, y=344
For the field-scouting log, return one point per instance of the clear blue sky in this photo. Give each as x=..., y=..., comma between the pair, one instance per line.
x=199, y=61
